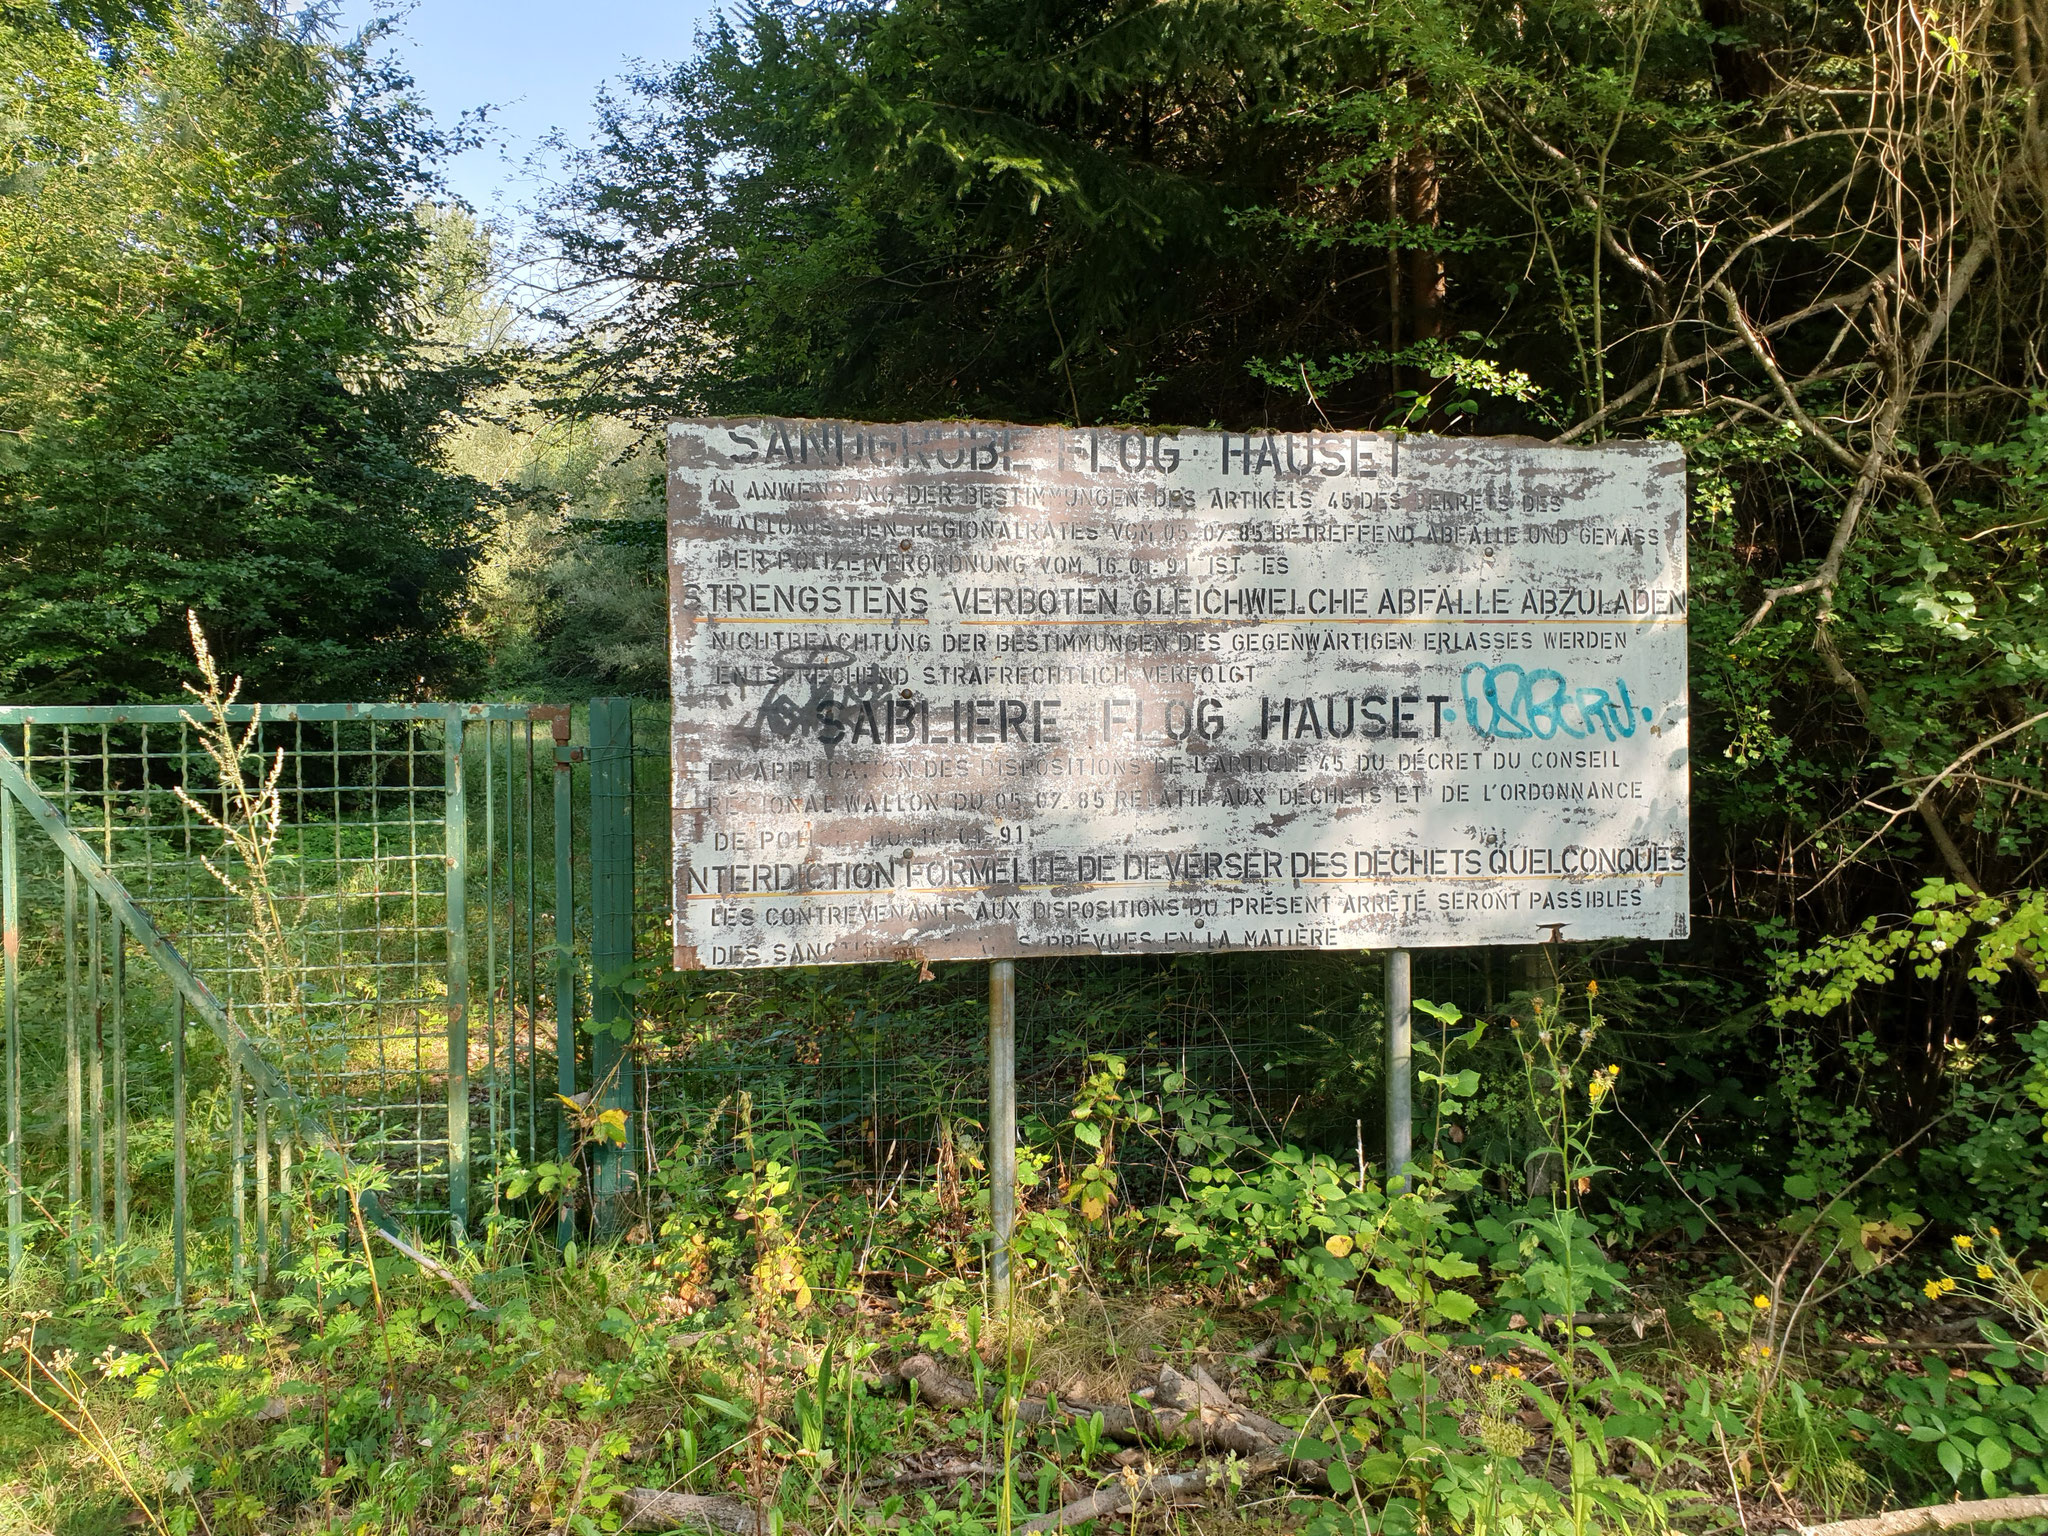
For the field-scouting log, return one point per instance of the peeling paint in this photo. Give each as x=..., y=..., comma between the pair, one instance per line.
x=951, y=690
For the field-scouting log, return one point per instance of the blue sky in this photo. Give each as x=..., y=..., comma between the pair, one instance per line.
x=538, y=63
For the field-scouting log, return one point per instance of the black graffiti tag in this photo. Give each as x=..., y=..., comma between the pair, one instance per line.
x=806, y=684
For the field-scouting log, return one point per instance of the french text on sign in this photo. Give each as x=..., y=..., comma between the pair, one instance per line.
x=963, y=690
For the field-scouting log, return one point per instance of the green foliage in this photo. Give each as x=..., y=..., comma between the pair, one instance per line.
x=217, y=381
x=1979, y=1432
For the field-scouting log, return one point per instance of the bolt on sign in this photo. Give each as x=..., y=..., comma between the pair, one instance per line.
x=957, y=690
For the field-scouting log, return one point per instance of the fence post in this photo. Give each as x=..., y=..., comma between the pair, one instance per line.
x=455, y=806
x=74, y=1073
x=565, y=955
x=178, y=1151
x=119, y=1087
x=1002, y=1129
x=611, y=945
x=10, y=1007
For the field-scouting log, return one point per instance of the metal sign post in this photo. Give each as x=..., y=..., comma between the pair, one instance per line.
x=1400, y=1077
x=1002, y=1126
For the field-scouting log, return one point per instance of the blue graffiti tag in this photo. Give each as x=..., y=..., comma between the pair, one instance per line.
x=1541, y=704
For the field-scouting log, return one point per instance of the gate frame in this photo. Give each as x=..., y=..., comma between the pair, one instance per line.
x=132, y=919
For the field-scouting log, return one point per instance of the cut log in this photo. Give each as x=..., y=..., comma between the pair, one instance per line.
x=1935, y=1517
x=934, y=1467
x=1190, y=1393
x=1197, y=1412
x=1191, y=1410
x=651, y=1509
x=1211, y=1419
x=1129, y=1492
x=936, y=1384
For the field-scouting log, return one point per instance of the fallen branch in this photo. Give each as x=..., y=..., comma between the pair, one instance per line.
x=432, y=1266
x=651, y=1509
x=1934, y=1517
x=1193, y=1412
x=953, y=1469
x=1259, y=1353
x=1131, y=1491
x=1210, y=1420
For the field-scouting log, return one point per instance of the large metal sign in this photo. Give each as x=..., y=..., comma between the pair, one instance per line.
x=960, y=690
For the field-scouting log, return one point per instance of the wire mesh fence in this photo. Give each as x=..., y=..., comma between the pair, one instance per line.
x=404, y=1002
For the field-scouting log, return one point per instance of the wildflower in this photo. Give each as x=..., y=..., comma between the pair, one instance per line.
x=64, y=1360
x=1983, y=1271
x=1964, y=1243
x=1503, y=1438
x=1475, y=1367
x=1764, y=1350
x=1592, y=989
x=1994, y=1231
x=1761, y=1302
x=1931, y=1290
x=1514, y=1373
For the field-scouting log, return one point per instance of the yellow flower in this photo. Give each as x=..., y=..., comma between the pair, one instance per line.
x=1761, y=1302
x=1948, y=1282
x=1994, y=1231
x=1595, y=1088
x=1592, y=989
x=1475, y=1367
x=1964, y=1243
x=1764, y=1350
x=1983, y=1271
x=1932, y=1290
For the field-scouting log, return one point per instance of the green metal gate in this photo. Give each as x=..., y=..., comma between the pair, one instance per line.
x=424, y=881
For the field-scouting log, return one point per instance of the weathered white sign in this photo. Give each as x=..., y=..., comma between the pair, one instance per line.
x=959, y=690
